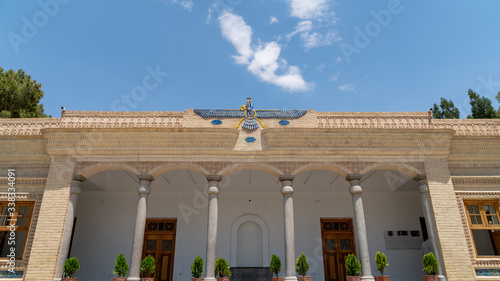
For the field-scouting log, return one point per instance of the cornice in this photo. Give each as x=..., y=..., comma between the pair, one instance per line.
x=25, y=182
x=476, y=181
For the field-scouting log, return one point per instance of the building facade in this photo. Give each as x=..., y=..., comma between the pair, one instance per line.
x=245, y=184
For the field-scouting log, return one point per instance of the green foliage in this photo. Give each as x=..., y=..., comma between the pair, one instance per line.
x=430, y=264
x=148, y=266
x=197, y=267
x=121, y=266
x=302, y=265
x=222, y=268
x=381, y=261
x=352, y=265
x=71, y=266
x=446, y=110
x=19, y=96
x=275, y=266
x=481, y=107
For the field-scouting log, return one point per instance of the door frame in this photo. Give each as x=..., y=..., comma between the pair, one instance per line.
x=332, y=232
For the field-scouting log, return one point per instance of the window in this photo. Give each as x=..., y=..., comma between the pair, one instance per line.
x=483, y=217
x=21, y=218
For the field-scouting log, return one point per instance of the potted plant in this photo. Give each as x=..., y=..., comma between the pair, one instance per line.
x=121, y=268
x=430, y=267
x=197, y=269
x=222, y=269
x=147, y=268
x=71, y=266
x=381, y=261
x=302, y=266
x=275, y=267
x=353, y=266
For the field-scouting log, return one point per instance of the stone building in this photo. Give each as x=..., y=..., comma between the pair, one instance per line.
x=245, y=184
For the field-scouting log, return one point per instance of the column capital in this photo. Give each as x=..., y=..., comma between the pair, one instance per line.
x=214, y=178
x=352, y=178
x=287, y=178
x=78, y=177
x=149, y=178
x=145, y=182
x=421, y=179
x=286, y=183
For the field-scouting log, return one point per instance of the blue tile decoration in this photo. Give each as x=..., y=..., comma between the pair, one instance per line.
x=216, y=122
x=488, y=272
x=250, y=139
x=8, y=274
x=250, y=124
x=236, y=113
x=284, y=122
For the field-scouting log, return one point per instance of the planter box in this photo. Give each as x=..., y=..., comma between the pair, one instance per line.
x=223, y=279
x=69, y=279
x=431, y=278
x=304, y=278
x=382, y=278
x=278, y=279
x=353, y=278
x=119, y=278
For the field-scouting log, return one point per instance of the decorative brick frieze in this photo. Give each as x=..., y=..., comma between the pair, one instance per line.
x=476, y=181
x=27, y=126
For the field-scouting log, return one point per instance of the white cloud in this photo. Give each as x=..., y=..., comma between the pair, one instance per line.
x=187, y=5
x=313, y=39
x=263, y=61
x=335, y=77
x=273, y=19
x=308, y=9
x=320, y=67
x=347, y=87
x=339, y=59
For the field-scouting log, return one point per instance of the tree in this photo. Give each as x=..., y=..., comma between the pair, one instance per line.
x=19, y=96
x=447, y=111
x=481, y=107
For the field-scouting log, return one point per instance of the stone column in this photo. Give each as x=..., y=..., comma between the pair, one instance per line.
x=213, y=210
x=140, y=226
x=68, y=227
x=429, y=222
x=360, y=226
x=287, y=191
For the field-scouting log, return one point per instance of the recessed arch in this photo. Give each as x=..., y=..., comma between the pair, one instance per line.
x=251, y=166
x=393, y=166
x=333, y=167
x=167, y=167
x=265, y=237
x=96, y=168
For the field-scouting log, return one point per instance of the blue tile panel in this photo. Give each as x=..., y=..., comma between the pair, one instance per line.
x=250, y=124
x=236, y=113
x=250, y=139
x=488, y=272
x=8, y=274
x=284, y=122
x=216, y=122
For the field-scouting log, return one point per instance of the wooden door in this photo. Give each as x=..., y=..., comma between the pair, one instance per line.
x=159, y=242
x=338, y=242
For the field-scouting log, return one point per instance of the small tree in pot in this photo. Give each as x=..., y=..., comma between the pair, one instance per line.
x=381, y=262
x=222, y=269
x=275, y=267
x=302, y=266
x=353, y=266
x=121, y=268
x=71, y=266
x=197, y=269
x=147, y=268
x=430, y=267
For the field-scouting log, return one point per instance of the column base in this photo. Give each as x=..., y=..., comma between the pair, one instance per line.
x=291, y=278
x=209, y=279
x=59, y=279
x=133, y=278
x=367, y=278
x=441, y=278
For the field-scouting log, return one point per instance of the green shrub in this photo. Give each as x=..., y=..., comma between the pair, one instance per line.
x=148, y=266
x=121, y=266
x=381, y=261
x=222, y=268
x=197, y=267
x=71, y=266
x=430, y=264
x=275, y=266
x=352, y=265
x=302, y=265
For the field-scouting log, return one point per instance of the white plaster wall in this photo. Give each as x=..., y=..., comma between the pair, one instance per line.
x=106, y=221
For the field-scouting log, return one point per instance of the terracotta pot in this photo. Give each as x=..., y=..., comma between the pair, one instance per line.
x=69, y=279
x=196, y=279
x=223, y=279
x=278, y=279
x=353, y=278
x=304, y=278
x=147, y=279
x=119, y=278
x=382, y=278
x=431, y=278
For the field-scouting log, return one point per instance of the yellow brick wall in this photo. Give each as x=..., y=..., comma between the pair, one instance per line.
x=51, y=220
x=457, y=263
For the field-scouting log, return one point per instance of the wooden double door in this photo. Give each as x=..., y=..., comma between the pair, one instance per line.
x=159, y=242
x=338, y=242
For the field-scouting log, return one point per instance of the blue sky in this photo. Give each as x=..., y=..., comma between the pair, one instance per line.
x=170, y=55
